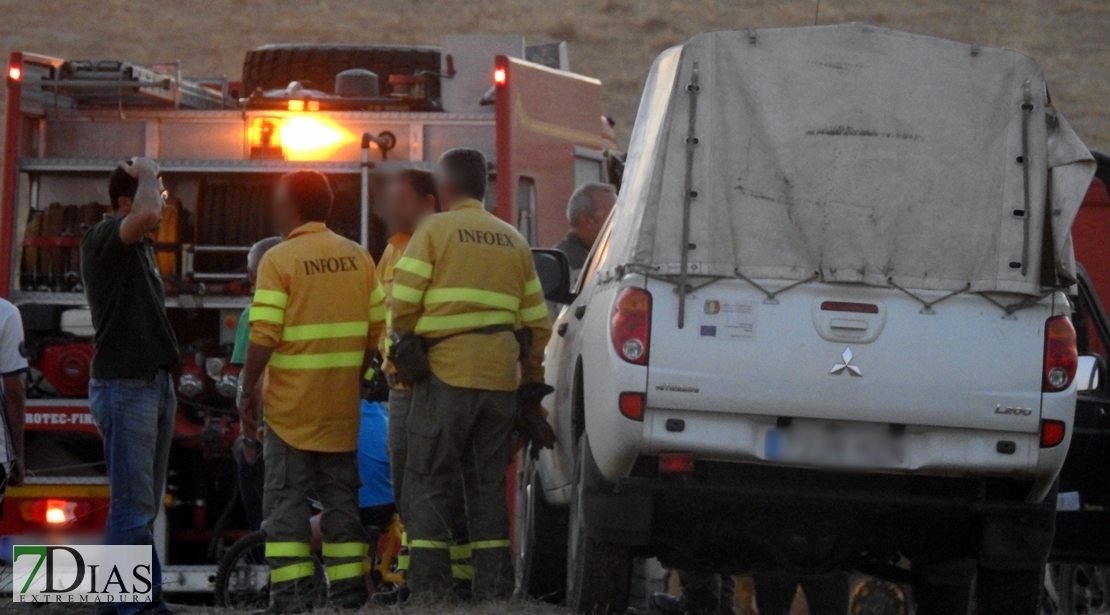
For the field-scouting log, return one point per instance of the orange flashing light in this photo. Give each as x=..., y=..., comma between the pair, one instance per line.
x=15, y=73
x=500, y=77
x=298, y=137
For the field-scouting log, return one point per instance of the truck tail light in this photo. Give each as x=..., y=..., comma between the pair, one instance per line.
x=54, y=512
x=630, y=325
x=15, y=73
x=500, y=76
x=632, y=405
x=676, y=463
x=1061, y=358
x=1052, y=433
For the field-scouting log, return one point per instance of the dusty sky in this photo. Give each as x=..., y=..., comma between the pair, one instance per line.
x=614, y=40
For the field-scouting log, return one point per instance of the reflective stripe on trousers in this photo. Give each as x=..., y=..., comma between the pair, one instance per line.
x=461, y=570
x=290, y=551
x=403, y=554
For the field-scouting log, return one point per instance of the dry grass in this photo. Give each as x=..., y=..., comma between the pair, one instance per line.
x=611, y=39
x=496, y=608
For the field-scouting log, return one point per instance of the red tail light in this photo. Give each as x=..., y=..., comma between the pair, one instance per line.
x=15, y=73
x=54, y=512
x=676, y=463
x=847, y=306
x=632, y=405
x=630, y=325
x=500, y=76
x=1061, y=358
x=1052, y=433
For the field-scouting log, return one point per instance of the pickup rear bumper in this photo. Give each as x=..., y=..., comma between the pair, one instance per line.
x=741, y=516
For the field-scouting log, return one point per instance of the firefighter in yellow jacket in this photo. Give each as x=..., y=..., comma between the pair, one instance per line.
x=412, y=196
x=318, y=312
x=465, y=283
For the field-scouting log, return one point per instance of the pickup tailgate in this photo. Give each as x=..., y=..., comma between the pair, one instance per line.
x=848, y=353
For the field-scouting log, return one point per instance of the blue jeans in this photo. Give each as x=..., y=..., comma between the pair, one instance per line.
x=135, y=419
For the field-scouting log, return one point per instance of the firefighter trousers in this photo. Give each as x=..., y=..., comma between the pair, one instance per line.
x=290, y=475
x=451, y=428
x=400, y=400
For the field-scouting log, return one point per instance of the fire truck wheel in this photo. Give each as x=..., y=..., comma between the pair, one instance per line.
x=273, y=67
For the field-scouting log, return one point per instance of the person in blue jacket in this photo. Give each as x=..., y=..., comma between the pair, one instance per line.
x=375, y=497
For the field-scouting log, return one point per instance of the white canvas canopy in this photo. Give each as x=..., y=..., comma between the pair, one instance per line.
x=852, y=153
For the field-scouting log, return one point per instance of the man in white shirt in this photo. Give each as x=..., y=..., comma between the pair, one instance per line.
x=13, y=364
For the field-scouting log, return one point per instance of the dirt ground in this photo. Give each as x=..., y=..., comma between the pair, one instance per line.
x=869, y=598
x=614, y=40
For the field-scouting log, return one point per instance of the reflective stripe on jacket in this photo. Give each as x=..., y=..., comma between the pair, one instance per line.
x=463, y=270
x=319, y=305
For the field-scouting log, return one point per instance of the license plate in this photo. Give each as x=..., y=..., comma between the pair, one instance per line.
x=830, y=444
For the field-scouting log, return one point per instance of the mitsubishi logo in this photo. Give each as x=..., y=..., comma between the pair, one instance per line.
x=846, y=364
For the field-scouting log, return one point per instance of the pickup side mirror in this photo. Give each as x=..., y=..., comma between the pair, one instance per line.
x=1088, y=375
x=553, y=270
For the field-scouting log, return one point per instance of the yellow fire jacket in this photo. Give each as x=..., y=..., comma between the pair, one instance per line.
x=393, y=253
x=320, y=306
x=463, y=270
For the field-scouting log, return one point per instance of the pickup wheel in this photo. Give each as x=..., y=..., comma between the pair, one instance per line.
x=942, y=600
x=540, y=556
x=1009, y=592
x=1082, y=588
x=946, y=588
x=598, y=573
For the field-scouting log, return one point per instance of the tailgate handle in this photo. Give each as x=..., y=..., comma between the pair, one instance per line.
x=850, y=324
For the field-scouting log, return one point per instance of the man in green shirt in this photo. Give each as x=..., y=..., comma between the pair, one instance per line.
x=248, y=450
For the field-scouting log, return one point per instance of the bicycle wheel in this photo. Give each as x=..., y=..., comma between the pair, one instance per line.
x=243, y=576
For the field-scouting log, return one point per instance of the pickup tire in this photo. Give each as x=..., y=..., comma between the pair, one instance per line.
x=942, y=599
x=599, y=573
x=1082, y=588
x=946, y=588
x=1009, y=592
x=540, y=554
x=272, y=67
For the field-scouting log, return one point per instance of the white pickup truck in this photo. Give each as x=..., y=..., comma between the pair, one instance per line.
x=826, y=326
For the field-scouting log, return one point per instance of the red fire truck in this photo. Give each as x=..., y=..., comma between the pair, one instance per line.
x=353, y=112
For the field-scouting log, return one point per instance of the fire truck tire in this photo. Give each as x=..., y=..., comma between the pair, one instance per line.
x=273, y=67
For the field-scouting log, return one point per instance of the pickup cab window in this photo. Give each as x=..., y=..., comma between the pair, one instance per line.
x=597, y=255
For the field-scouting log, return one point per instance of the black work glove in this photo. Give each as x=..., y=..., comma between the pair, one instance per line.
x=531, y=418
x=374, y=384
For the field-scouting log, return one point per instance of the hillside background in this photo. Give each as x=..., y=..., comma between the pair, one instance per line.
x=614, y=40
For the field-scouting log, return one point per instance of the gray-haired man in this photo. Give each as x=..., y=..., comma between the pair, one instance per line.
x=248, y=450
x=587, y=210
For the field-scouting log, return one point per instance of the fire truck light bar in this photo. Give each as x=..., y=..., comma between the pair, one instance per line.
x=301, y=105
